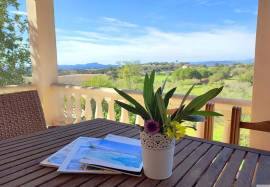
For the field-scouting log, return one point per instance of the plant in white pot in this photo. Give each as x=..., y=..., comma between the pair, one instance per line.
x=161, y=129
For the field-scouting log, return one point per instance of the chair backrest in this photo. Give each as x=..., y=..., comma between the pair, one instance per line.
x=237, y=124
x=20, y=113
x=208, y=123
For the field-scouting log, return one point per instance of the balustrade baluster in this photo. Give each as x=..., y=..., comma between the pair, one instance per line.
x=88, y=108
x=69, y=108
x=98, y=113
x=124, y=115
x=111, y=112
x=78, y=110
x=139, y=120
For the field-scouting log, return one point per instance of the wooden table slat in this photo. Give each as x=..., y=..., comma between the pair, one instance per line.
x=49, y=141
x=19, y=144
x=263, y=170
x=247, y=171
x=77, y=181
x=30, y=137
x=197, y=170
x=184, y=167
x=177, y=160
x=179, y=146
x=211, y=174
x=228, y=175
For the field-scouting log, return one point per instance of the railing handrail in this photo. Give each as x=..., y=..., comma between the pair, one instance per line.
x=17, y=88
x=221, y=100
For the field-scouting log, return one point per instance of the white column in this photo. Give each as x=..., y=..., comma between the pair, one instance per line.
x=43, y=55
x=261, y=86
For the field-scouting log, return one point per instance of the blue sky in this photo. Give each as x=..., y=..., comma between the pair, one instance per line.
x=108, y=31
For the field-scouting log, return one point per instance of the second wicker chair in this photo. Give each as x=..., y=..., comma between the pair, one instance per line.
x=20, y=113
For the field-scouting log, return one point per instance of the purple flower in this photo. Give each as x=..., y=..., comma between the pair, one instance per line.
x=151, y=127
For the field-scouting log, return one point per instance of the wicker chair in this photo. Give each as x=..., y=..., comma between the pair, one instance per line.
x=237, y=124
x=20, y=113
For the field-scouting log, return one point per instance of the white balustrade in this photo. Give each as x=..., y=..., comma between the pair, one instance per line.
x=76, y=113
x=74, y=95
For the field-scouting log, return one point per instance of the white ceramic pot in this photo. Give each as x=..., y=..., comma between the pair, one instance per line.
x=158, y=153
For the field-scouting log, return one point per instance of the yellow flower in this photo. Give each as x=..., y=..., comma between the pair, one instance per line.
x=170, y=133
x=175, y=130
x=180, y=131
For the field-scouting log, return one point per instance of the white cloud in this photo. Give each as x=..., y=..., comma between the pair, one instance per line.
x=245, y=11
x=156, y=45
x=118, y=23
x=21, y=13
x=209, y=2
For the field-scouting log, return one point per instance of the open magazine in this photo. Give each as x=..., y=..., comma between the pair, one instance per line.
x=56, y=159
x=69, y=158
x=72, y=162
x=121, y=155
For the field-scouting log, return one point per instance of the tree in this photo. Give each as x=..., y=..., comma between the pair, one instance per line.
x=219, y=76
x=247, y=76
x=130, y=73
x=205, y=73
x=186, y=73
x=14, y=50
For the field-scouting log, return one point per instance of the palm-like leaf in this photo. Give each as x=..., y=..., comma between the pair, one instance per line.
x=194, y=118
x=148, y=92
x=168, y=96
x=129, y=108
x=180, y=109
x=162, y=108
x=201, y=100
x=137, y=105
x=206, y=113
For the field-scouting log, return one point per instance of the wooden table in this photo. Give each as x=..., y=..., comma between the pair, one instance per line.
x=197, y=162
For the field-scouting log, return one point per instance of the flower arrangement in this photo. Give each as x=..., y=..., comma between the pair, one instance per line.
x=155, y=110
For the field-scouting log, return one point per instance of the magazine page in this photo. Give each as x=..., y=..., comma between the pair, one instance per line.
x=56, y=159
x=114, y=155
x=72, y=163
x=122, y=139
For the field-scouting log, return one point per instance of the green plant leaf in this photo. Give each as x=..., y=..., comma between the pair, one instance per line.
x=168, y=95
x=128, y=107
x=156, y=114
x=163, y=85
x=178, y=112
x=161, y=107
x=194, y=118
x=186, y=95
x=148, y=94
x=206, y=113
x=137, y=105
x=175, y=115
x=198, y=102
x=152, y=79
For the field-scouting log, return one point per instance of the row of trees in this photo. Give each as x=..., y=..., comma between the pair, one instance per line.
x=14, y=50
x=217, y=73
x=130, y=76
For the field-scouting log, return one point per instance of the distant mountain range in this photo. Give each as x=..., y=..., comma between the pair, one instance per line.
x=224, y=62
x=96, y=65
x=85, y=66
